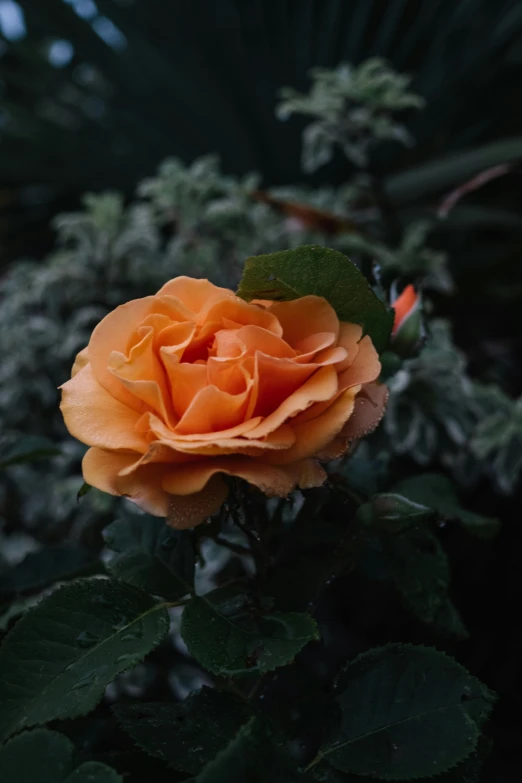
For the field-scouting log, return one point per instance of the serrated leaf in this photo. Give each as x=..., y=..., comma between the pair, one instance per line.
x=325, y=773
x=396, y=531
x=251, y=756
x=407, y=712
x=48, y=757
x=470, y=769
x=421, y=573
x=52, y=564
x=151, y=555
x=58, y=659
x=311, y=269
x=27, y=449
x=237, y=644
x=436, y=491
x=189, y=734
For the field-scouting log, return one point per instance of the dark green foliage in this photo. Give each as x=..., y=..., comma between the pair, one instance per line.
x=252, y=756
x=396, y=534
x=407, y=712
x=61, y=654
x=48, y=757
x=84, y=490
x=51, y=564
x=322, y=272
x=228, y=639
x=151, y=555
x=27, y=449
x=122, y=117
x=382, y=552
x=188, y=735
x=437, y=492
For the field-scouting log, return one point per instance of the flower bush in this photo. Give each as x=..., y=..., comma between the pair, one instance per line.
x=242, y=552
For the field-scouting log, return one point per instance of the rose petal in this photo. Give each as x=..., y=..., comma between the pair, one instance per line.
x=313, y=436
x=149, y=423
x=308, y=347
x=273, y=481
x=349, y=337
x=143, y=375
x=114, y=333
x=274, y=381
x=197, y=295
x=333, y=450
x=306, y=316
x=102, y=469
x=234, y=312
x=282, y=438
x=186, y=511
x=82, y=358
x=158, y=452
x=307, y=473
x=366, y=366
x=255, y=338
x=320, y=387
x=333, y=355
x=231, y=314
x=186, y=381
x=369, y=408
x=94, y=417
x=212, y=410
x=228, y=375
x=174, y=339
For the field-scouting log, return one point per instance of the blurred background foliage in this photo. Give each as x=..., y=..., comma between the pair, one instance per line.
x=369, y=126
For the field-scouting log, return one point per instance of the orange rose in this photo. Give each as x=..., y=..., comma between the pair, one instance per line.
x=177, y=389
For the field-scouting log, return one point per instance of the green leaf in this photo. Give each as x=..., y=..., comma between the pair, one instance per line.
x=52, y=564
x=420, y=570
x=470, y=769
x=393, y=512
x=27, y=449
x=251, y=756
x=394, y=530
x=436, y=491
x=407, y=712
x=324, y=773
x=84, y=490
x=186, y=735
x=151, y=555
x=311, y=269
x=43, y=756
x=135, y=766
x=58, y=659
x=228, y=641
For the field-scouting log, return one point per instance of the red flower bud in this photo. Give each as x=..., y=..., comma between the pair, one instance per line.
x=403, y=306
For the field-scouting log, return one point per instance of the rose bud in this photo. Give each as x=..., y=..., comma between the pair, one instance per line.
x=407, y=328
